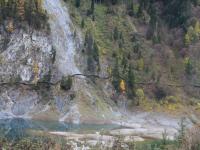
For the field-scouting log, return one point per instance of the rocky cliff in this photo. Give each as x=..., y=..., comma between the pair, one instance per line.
x=32, y=64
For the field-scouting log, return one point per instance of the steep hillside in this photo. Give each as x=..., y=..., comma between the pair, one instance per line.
x=39, y=77
x=150, y=46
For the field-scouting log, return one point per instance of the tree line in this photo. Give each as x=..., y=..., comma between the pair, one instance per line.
x=18, y=11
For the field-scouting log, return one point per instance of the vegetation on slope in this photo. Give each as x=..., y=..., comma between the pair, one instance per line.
x=14, y=12
x=151, y=45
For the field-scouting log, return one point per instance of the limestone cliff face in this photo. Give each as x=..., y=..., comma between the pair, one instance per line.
x=27, y=57
x=23, y=51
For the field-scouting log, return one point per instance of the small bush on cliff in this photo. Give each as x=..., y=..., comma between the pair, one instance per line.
x=160, y=93
x=66, y=83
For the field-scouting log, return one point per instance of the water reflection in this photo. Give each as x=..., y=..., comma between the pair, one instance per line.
x=15, y=129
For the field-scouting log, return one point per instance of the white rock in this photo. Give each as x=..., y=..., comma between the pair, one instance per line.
x=25, y=73
x=133, y=139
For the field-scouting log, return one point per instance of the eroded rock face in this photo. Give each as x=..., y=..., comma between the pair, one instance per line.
x=23, y=51
x=26, y=55
x=17, y=102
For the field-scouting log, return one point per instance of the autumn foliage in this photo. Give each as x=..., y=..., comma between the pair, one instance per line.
x=21, y=8
x=122, y=86
x=36, y=73
x=10, y=27
x=23, y=12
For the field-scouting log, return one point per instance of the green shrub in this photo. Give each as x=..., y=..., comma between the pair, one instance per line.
x=188, y=66
x=66, y=83
x=115, y=34
x=172, y=99
x=140, y=93
x=82, y=23
x=116, y=76
x=131, y=82
x=160, y=93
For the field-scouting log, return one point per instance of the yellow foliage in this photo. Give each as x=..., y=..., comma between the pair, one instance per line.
x=122, y=86
x=135, y=8
x=140, y=93
x=103, y=51
x=172, y=107
x=190, y=31
x=197, y=28
x=39, y=5
x=192, y=34
x=109, y=70
x=1, y=59
x=186, y=60
x=140, y=64
x=20, y=8
x=187, y=40
x=10, y=27
x=36, y=73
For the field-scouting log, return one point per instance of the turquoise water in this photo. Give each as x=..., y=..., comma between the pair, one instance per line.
x=15, y=129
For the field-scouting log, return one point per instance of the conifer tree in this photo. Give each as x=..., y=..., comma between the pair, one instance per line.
x=177, y=12
x=92, y=6
x=116, y=76
x=115, y=34
x=21, y=9
x=131, y=82
x=77, y=3
x=82, y=23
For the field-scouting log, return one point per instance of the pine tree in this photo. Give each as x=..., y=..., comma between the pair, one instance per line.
x=187, y=40
x=95, y=52
x=114, y=2
x=116, y=34
x=130, y=7
x=131, y=82
x=21, y=9
x=92, y=6
x=77, y=3
x=116, y=76
x=82, y=23
x=188, y=66
x=177, y=12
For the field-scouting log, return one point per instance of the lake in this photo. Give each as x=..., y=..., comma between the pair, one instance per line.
x=16, y=128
